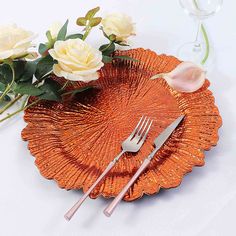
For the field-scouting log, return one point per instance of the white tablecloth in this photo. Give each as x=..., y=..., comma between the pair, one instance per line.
x=204, y=204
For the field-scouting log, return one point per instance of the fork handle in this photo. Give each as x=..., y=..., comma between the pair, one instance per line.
x=110, y=208
x=73, y=210
x=77, y=205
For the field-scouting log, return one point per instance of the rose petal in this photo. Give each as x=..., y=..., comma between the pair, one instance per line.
x=118, y=24
x=14, y=42
x=186, y=77
x=77, y=60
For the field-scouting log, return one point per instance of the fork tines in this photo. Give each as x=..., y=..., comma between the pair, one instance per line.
x=141, y=130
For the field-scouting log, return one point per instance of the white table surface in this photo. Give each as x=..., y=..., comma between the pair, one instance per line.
x=204, y=204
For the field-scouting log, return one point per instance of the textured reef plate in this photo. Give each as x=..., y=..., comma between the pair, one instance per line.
x=74, y=141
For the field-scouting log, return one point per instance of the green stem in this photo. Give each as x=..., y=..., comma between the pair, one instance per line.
x=207, y=45
x=195, y=3
x=20, y=110
x=8, y=105
x=64, y=86
x=158, y=76
x=25, y=101
x=88, y=29
x=8, y=88
x=11, y=103
x=104, y=49
x=204, y=33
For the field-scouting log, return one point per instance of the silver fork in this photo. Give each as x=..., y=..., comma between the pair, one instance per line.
x=132, y=144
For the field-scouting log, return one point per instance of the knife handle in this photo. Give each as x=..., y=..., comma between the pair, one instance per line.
x=110, y=208
x=77, y=205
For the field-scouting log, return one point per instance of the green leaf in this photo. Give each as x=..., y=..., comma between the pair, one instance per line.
x=121, y=43
x=5, y=73
x=19, y=67
x=29, y=71
x=107, y=49
x=81, y=21
x=2, y=87
x=125, y=58
x=51, y=90
x=73, y=92
x=74, y=36
x=44, y=66
x=91, y=13
x=106, y=59
x=63, y=31
x=27, y=88
x=42, y=48
x=95, y=21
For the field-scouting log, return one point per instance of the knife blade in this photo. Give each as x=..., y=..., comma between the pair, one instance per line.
x=164, y=135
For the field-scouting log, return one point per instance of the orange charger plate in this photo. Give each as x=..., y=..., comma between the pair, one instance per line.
x=74, y=141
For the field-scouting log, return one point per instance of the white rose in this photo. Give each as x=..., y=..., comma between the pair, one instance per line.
x=14, y=42
x=77, y=60
x=55, y=28
x=118, y=24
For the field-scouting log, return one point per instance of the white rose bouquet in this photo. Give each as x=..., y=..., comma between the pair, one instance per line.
x=25, y=73
x=65, y=59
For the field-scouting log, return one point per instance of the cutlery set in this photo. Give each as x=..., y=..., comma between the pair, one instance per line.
x=132, y=144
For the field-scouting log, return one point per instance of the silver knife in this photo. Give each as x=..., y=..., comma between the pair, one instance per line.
x=159, y=141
